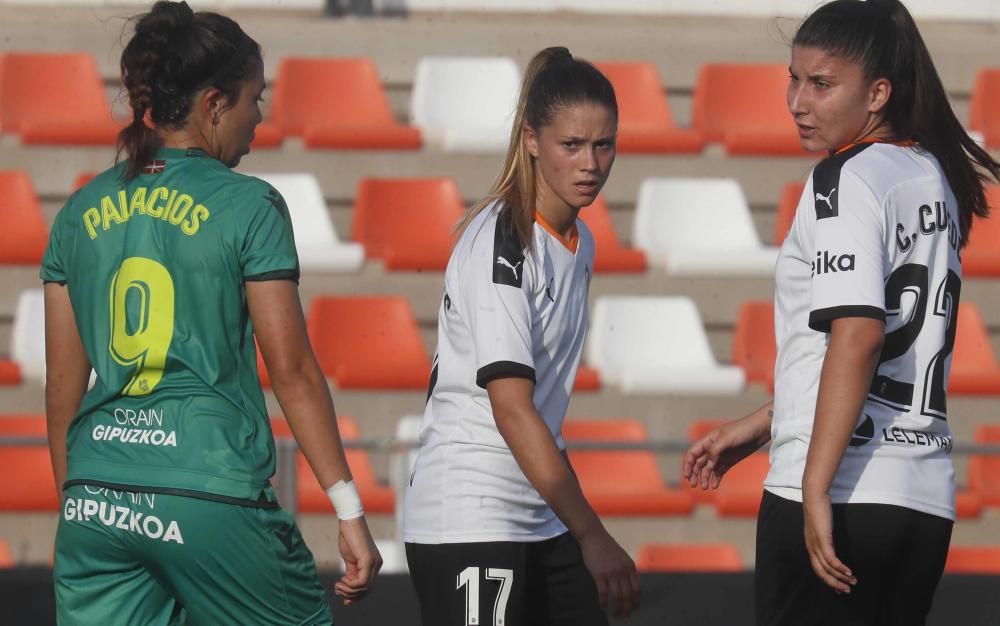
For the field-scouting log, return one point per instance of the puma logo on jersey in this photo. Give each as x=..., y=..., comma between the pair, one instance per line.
x=830, y=210
x=826, y=198
x=506, y=263
x=827, y=263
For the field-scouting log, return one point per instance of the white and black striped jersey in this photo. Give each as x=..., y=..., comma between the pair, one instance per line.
x=875, y=235
x=505, y=312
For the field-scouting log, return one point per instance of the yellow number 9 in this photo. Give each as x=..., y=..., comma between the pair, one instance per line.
x=152, y=327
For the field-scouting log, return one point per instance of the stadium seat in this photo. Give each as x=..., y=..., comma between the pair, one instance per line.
x=315, y=236
x=700, y=227
x=743, y=106
x=611, y=255
x=25, y=235
x=754, y=346
x=974, y=368
x=409, y=223
x=82, y=179
x=789, y=202
x=335, y=103
x=679, y=557
x=587, y=379
x=984, y=470
x=984, y=106
x=368, y=342
x=968, y=504
x=376, y=497
x=742, y=486
x=656, y=345
x=27, y=483
x=973, y=560
x=465, y=104
x=981, y=257
x=621, y=482
x=28, y=335
x=55, y=98
x=645, y=123
x=10, y=373
x=6, y=556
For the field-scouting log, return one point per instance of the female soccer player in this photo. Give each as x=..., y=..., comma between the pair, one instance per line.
x=867, y=292
x=158, y=275
x=497, y=530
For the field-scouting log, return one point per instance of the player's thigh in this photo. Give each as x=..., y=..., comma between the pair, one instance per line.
x=922, y=559
x=231, y=564
x=98, y=576
x=561, y=592
x=469, y=584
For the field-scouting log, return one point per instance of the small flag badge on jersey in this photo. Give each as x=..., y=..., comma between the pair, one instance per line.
x=155, y=167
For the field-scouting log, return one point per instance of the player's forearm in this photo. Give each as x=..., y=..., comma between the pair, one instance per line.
x=63, y=394
x=851, y=358
x=305, y=400
x=759, y=423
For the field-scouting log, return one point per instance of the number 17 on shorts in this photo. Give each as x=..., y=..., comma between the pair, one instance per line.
x=469, y=581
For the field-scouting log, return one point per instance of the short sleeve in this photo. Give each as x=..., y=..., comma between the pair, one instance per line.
x=849, y=254
x=268, y=251
x=494, y=293
x=53, y=270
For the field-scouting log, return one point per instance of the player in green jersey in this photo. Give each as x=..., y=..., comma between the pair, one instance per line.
x=158, y=275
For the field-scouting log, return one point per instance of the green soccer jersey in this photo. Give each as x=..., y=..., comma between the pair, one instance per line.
x=155, y=269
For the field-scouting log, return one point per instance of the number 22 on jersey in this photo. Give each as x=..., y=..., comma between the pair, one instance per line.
x=142, y=321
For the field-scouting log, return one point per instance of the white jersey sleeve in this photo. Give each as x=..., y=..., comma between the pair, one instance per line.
x=849, y=258
x=496, y=292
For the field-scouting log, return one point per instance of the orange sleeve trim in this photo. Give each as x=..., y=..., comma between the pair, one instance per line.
x=570, y=243
x=906, y=143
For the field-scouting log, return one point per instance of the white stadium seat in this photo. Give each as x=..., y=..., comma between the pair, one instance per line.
x=656, y=345
x=465, y=104
x=699, y=227
x=315, y=237
x=28, y=335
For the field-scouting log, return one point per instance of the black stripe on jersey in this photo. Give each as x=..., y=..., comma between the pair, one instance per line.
x=261, y=503
x=820, y=319
x=503, y=369
x=508, y=255
x=826, y=181
x=275, y=275
x=61, y=283
x=432, y=383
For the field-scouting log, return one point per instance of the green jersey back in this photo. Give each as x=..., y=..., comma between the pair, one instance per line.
x=155, y=269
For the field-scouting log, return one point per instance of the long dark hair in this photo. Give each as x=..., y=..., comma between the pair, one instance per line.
x=881, y=36
x=173, y=54
x=553, y=79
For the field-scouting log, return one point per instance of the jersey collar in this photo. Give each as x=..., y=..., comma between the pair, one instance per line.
x=905, y=143
x=570, y=243
x=179, y=153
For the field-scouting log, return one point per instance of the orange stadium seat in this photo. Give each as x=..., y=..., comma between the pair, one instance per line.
x=974, y=368
x=622, y=482
x=984, y=106
x=388, y=214
x=754, y=346
x=25, y=234
x=645, y=123
x=968, y=504
x=55, y=98
x=10, y=372
x=789, y=201
x=27, y=484
x=984, y=470
x=82, y=179
x=368, y=342
x=376, y=497
x=587, y=379
x=335, y=103
x=981, y=257
x=611, y=255
x=679, y=557
x=742, y=486
x=743, y=107
x=973, y=560
x=6, y=556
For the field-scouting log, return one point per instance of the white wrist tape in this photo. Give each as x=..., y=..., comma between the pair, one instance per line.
x=345, y=499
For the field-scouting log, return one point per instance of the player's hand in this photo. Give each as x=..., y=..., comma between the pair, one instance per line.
x=709, y=458
x=613, y=571
x=819, y=543
x=362, y=560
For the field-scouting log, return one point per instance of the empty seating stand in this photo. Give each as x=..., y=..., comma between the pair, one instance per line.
x=981, y=257
x=984, y=106
x=656, y=345
x=787, y=205
x=680, y=557
x=743, y=107
x=389, y=213
x=973, y=560
x=974, y=367
x=645, y=123
x=621, y=482
x=754, y=346
x=27, y=484
x=25, y=235
x=465, y=104
x=742, y=486
x=984, y=470
x=368, y=342
x=55, y=98
x=334, y=103
x=611, y=255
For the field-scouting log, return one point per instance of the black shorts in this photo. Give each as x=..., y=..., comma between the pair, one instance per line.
x=897, y=554
x=504, y=584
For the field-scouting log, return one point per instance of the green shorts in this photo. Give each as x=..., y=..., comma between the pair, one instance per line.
x=152, y=559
